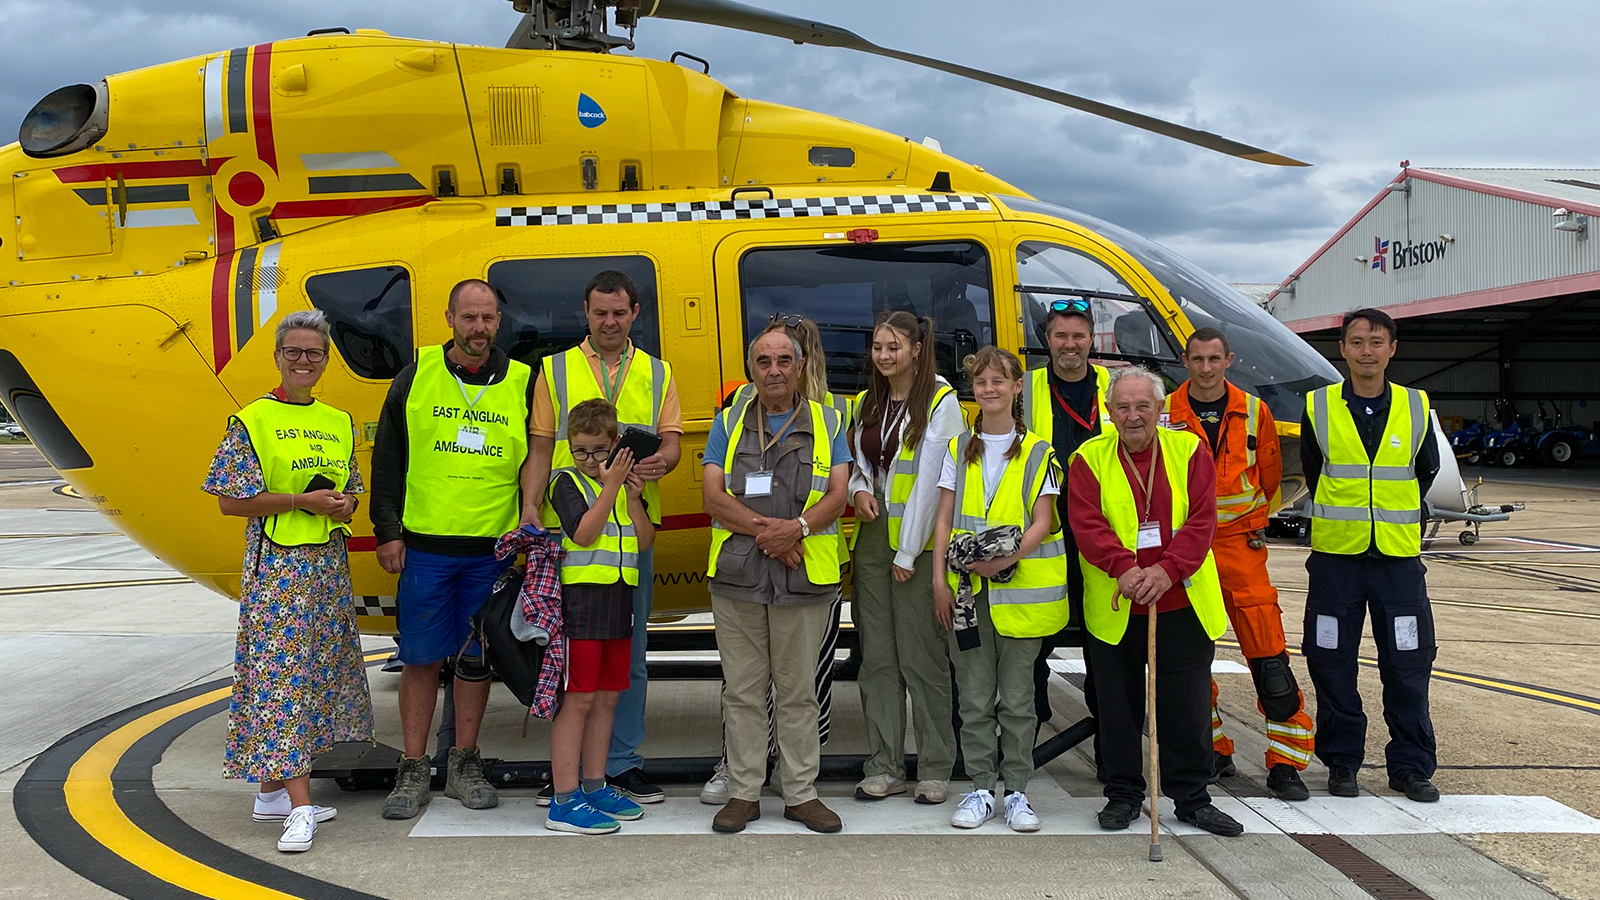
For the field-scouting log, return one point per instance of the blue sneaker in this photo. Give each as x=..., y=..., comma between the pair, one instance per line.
x=578, y=817
x=611, y=802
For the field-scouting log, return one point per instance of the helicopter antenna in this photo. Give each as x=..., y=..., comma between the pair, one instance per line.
x=580, y=25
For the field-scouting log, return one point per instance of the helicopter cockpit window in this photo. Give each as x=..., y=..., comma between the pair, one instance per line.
x=1124, y=328
x=1270, y=361
x=843, y=288
x=369, y=313
x=541, y=310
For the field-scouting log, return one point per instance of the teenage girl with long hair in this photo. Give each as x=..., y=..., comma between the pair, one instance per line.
x=906, y=419
x=995, y=475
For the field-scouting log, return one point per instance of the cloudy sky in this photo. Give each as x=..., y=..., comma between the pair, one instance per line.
x=1351, y=86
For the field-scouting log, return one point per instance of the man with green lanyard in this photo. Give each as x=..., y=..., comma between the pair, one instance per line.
x=607, y=365
x=451, y=442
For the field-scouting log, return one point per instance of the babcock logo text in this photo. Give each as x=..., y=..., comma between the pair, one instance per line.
x=590, y=115
x=1402, y=256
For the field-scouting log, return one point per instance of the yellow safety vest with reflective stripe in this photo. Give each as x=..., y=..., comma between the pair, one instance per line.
x=1034, y=602
x=295, y=442
x=903, y=474
x=1038, y=405
x=614, y=554
x=1117, y=503
x=1246, y=494
x=644, y=388
x=823, y=549
x=468, y=489
x=1359, y=500
x=842, y=404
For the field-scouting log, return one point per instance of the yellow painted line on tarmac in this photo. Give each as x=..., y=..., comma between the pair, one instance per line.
x=1508, y=687
x=86, y=585
x=91, y=801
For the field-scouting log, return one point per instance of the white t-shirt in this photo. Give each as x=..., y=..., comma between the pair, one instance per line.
x=994, y=466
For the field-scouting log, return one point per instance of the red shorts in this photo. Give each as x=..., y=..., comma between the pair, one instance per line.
x=598, y=665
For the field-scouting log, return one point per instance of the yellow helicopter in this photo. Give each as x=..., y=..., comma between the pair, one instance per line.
x=164, y=218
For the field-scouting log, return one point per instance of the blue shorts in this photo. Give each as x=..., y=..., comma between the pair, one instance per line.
x=438, y=597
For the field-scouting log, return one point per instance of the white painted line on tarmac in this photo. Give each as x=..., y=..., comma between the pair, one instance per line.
x=1453, y=814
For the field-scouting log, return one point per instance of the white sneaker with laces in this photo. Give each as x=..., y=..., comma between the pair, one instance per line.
x=298, y=830
x=1019, y=815
x=276, y=806
x=977, y=807
x=715, y=792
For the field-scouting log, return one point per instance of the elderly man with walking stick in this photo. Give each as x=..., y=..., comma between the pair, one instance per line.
x=1144, y=511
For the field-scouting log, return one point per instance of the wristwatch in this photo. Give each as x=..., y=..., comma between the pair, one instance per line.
x=805, y=528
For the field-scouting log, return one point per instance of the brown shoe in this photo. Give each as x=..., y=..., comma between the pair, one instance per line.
x=813, y=815
x=732, y=818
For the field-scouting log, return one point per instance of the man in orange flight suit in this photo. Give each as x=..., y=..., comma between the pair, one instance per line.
x=1243, y=439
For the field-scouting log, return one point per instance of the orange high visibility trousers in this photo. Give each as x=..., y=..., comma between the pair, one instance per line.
x=1252, y=604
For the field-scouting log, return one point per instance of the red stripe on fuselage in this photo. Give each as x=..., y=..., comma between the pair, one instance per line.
x=369, y=544
x=320, y=209
x=261, y=105
x=174, y=168
x=221, y=280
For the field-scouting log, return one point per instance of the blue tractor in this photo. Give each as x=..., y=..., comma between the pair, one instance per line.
x=1467, y=444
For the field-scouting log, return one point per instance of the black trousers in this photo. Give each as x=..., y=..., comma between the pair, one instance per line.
x=1341, y=591
x=1183, y=709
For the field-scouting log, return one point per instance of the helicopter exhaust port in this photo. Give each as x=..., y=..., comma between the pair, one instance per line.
x=67, y=120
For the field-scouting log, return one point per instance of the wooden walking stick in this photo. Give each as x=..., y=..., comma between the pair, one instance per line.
x=1150, y=703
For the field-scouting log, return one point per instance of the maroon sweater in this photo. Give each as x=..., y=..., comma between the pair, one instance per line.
x=1181, y=554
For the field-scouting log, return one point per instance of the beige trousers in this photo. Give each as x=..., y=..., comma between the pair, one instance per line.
x=761, y=644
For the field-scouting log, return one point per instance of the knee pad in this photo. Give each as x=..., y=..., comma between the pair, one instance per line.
x=471, y=667
x=1276, y=687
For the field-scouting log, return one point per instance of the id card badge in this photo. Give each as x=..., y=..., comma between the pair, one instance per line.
x=758, y=484
x=1149, y=536
x=469, y=438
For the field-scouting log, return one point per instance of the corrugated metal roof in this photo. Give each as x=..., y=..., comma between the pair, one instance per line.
x=1256, y=292
x=1577, y=185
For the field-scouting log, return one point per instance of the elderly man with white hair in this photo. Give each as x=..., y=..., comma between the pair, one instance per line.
x=1143, y=504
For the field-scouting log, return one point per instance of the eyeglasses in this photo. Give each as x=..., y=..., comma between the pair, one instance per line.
x=596, y=455
x=293, y=354
x=1077, y=305
x=789, y=321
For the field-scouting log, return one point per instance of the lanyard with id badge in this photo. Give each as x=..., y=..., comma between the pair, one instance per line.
x=470, y=437
x=1149, y=532
x=759, y=484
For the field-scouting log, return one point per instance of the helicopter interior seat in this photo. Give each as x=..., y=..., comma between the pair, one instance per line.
x=1136, y=336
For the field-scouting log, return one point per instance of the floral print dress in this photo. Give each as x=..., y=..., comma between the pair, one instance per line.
x=299, y=683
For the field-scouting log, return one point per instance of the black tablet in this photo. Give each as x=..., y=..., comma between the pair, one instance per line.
x=643, y=443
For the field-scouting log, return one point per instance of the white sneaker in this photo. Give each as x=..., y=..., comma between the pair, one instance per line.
x=276, y=806
x=976, y=808
x=715, y=792
x=1019, y=815
x=298, y=830
x=877, y=787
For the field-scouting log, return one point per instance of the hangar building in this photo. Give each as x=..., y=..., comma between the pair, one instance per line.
x=1493, y=276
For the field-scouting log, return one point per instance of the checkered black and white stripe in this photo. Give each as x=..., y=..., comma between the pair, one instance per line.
x=725, y=210
x=376, y=606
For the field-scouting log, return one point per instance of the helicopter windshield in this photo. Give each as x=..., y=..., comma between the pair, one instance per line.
x=1270, y=361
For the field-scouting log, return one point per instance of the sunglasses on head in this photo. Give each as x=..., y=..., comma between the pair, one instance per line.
x=1077, y=304
x=787, y=320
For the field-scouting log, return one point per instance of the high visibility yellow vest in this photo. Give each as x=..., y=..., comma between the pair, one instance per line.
x=462, y=489
x=294, y=443
x=1038, y=406
x=903, y=474
x=614, y=553
x=823, y=549
x=638, y=402
x=1245, y=494
x=1034, y=602
x=1117, y=503
x=1359, y=500
x=843, y=404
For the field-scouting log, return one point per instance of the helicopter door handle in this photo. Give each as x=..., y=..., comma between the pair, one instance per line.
x=752, y=190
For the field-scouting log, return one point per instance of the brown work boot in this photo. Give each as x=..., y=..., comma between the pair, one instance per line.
x=732, y=818
x=813, y=815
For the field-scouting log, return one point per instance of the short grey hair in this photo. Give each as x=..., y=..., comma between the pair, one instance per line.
x=308, y=319
x=1136, y=373
x=750, y=354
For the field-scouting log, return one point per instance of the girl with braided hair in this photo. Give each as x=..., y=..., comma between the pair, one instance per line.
x=998, y=533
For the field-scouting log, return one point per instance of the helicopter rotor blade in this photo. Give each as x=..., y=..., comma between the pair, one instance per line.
x=741, y=17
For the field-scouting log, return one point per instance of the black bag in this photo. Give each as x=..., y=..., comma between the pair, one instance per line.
x=516, y=662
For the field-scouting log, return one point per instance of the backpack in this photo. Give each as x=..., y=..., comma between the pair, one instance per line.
x=515, y=661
